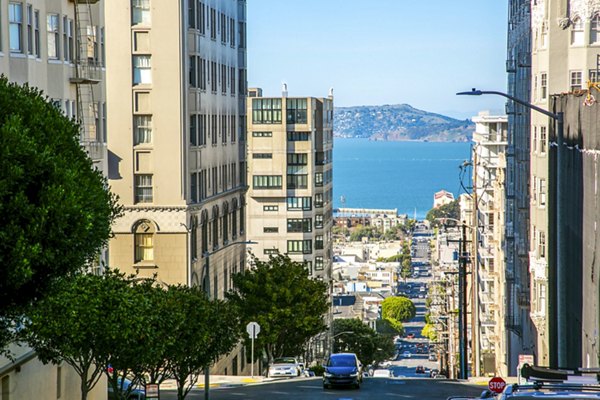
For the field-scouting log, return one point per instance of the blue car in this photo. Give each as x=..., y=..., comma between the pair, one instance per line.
x=342, y=369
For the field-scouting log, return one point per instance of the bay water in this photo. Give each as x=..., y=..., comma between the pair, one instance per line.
x=402, y=175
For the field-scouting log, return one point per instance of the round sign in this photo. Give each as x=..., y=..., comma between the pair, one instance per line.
x=496, y=384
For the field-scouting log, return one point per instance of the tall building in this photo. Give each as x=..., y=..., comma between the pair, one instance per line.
x=58, y=47
x=489, y=337
x=566, y=35
x=517, y=322
x=176, y=94
x=290, y=147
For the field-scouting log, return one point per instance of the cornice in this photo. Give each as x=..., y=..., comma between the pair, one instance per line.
x=583, y=8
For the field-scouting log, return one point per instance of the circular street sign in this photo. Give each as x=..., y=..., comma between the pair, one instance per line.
x=496, y=384
x=253, y=329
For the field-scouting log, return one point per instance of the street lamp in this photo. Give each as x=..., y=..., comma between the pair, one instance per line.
x=560, y=253
x=206, y=287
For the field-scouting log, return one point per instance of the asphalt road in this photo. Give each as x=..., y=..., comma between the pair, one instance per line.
x=312, y=388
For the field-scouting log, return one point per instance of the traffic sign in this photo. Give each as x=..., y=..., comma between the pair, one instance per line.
x=496, y=384
x=253, y=329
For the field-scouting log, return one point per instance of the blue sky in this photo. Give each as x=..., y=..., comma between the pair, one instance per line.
x=374, y=52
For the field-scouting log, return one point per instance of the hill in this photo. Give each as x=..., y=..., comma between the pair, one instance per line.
x=399, y=122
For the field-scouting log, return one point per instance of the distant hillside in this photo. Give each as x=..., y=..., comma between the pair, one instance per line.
x=399, y=122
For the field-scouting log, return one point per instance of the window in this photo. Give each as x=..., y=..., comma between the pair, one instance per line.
x=262, y=155
x=299, y=225
x=299, y=246
x=296, y=111
x=52, y=35
x=319, y=221
x=576, y=80
x=15, y=19
x=319, y=242
x=297, y=159
x=143, y=188
x=193, y=73
x=36, y=32
x=319, y=200
x=577, y=32
x=319, y=263
x=142, y=127
x=270, y=208
x=266, y=111
x=142, y=73
x=202, y=130
x=294, y=136
x=534, y=139
x=262, y=134
x=193, y=130
x=270, y=229
x=542, y=244
x=140, y=12
x=194, y=187
x=299, y=203
x=297, y=177
x=544, y=35
x=544, y=85
x=542, y=139
x=144, y=242
x=295, y=181
x=595, y=29
x=266, y=181
x=542, y=190
x=192, y=24
x=30, y=29
x=318, y=179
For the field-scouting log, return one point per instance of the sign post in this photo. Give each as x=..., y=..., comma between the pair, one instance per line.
x=496, y=384
x=253, y=330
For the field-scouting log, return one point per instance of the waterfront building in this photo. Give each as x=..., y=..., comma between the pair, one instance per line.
x=566, y=35
x=488, y=335
x=176, y=94
x=383, y=219
x=56, y=46
x=520, y=331
x=441, y=198
x=290, y=147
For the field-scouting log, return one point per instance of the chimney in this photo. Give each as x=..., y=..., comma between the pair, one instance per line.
x=284, y=91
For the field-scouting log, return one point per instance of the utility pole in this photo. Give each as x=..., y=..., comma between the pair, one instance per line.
x=462, y=309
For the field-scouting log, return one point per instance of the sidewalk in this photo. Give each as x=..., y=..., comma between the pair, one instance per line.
x=222, y=381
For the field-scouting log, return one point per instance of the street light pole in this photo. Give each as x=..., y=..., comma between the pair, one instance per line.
x=206, y=287
x=559, y=287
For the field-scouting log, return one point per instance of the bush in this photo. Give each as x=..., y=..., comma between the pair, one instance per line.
x=317, y=369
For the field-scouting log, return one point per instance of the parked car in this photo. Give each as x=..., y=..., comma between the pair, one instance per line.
x=432, y=357
x=382, y=373
x=135, y=394
x=286, y=367
x=342, y=369
x=410, y=336
x=406, y=354
x=420, y=369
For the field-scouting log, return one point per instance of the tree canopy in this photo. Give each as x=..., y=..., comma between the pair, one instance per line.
x=450, y=210
x=352, y=335
x=288, y=305
x=55, y=208
x=396, y=310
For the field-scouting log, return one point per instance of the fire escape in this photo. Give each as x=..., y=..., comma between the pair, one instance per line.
x=87, y=76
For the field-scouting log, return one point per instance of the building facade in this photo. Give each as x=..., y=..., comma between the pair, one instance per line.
x=490, y=140
x=290, y=147
x=566, y=38
x=56, y=46
x=176, y=94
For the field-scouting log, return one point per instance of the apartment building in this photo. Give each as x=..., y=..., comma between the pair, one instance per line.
x=565, y=43
x=520, y=330
x=490, y=141
x=176, y=94
x=290, y=146
x=58, y=47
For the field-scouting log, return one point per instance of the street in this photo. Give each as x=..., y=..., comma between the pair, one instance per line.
x=312, y=388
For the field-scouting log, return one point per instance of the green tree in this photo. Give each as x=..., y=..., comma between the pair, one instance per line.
x=361, y=231
x=429, y=332
x=287, y=304
x=88, y=321
x=397, y=309
x=352, y=335
x=406, y=270
x=450, y=210
x=55, y=209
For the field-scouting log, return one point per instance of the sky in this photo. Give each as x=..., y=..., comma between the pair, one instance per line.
x=375, y=52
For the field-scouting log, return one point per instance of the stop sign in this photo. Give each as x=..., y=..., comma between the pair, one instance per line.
x=496, y=384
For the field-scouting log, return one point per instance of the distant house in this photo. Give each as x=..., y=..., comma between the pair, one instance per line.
x=442, y=197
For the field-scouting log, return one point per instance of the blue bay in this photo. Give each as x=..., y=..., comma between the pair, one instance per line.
x=402, y=175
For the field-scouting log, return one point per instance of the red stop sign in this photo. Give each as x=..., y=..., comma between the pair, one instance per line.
x=496, y=384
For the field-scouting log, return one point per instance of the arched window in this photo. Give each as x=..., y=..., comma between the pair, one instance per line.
x=144, y=232
x=595, y=29
x=204, y=231
x=577, y=32
x=215, y=228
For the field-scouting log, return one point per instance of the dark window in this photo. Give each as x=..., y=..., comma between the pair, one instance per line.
x=296, y=111
x=266, y=111
x=299, y=225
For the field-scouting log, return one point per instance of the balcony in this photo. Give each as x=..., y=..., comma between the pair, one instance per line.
x=86, y=72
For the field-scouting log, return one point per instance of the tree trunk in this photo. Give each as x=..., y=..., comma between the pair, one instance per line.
x=84, y=385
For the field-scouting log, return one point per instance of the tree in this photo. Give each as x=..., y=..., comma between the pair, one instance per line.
x=450, y=210
x=352, y=335
x=397, y=309
x=89, y=321
x=55, y=209
x=288, y=305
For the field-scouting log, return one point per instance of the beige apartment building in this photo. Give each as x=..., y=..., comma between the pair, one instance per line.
x=489, y=335
x=176, y=94
x=290, y=147
x=56, y=46
x=565, y=48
